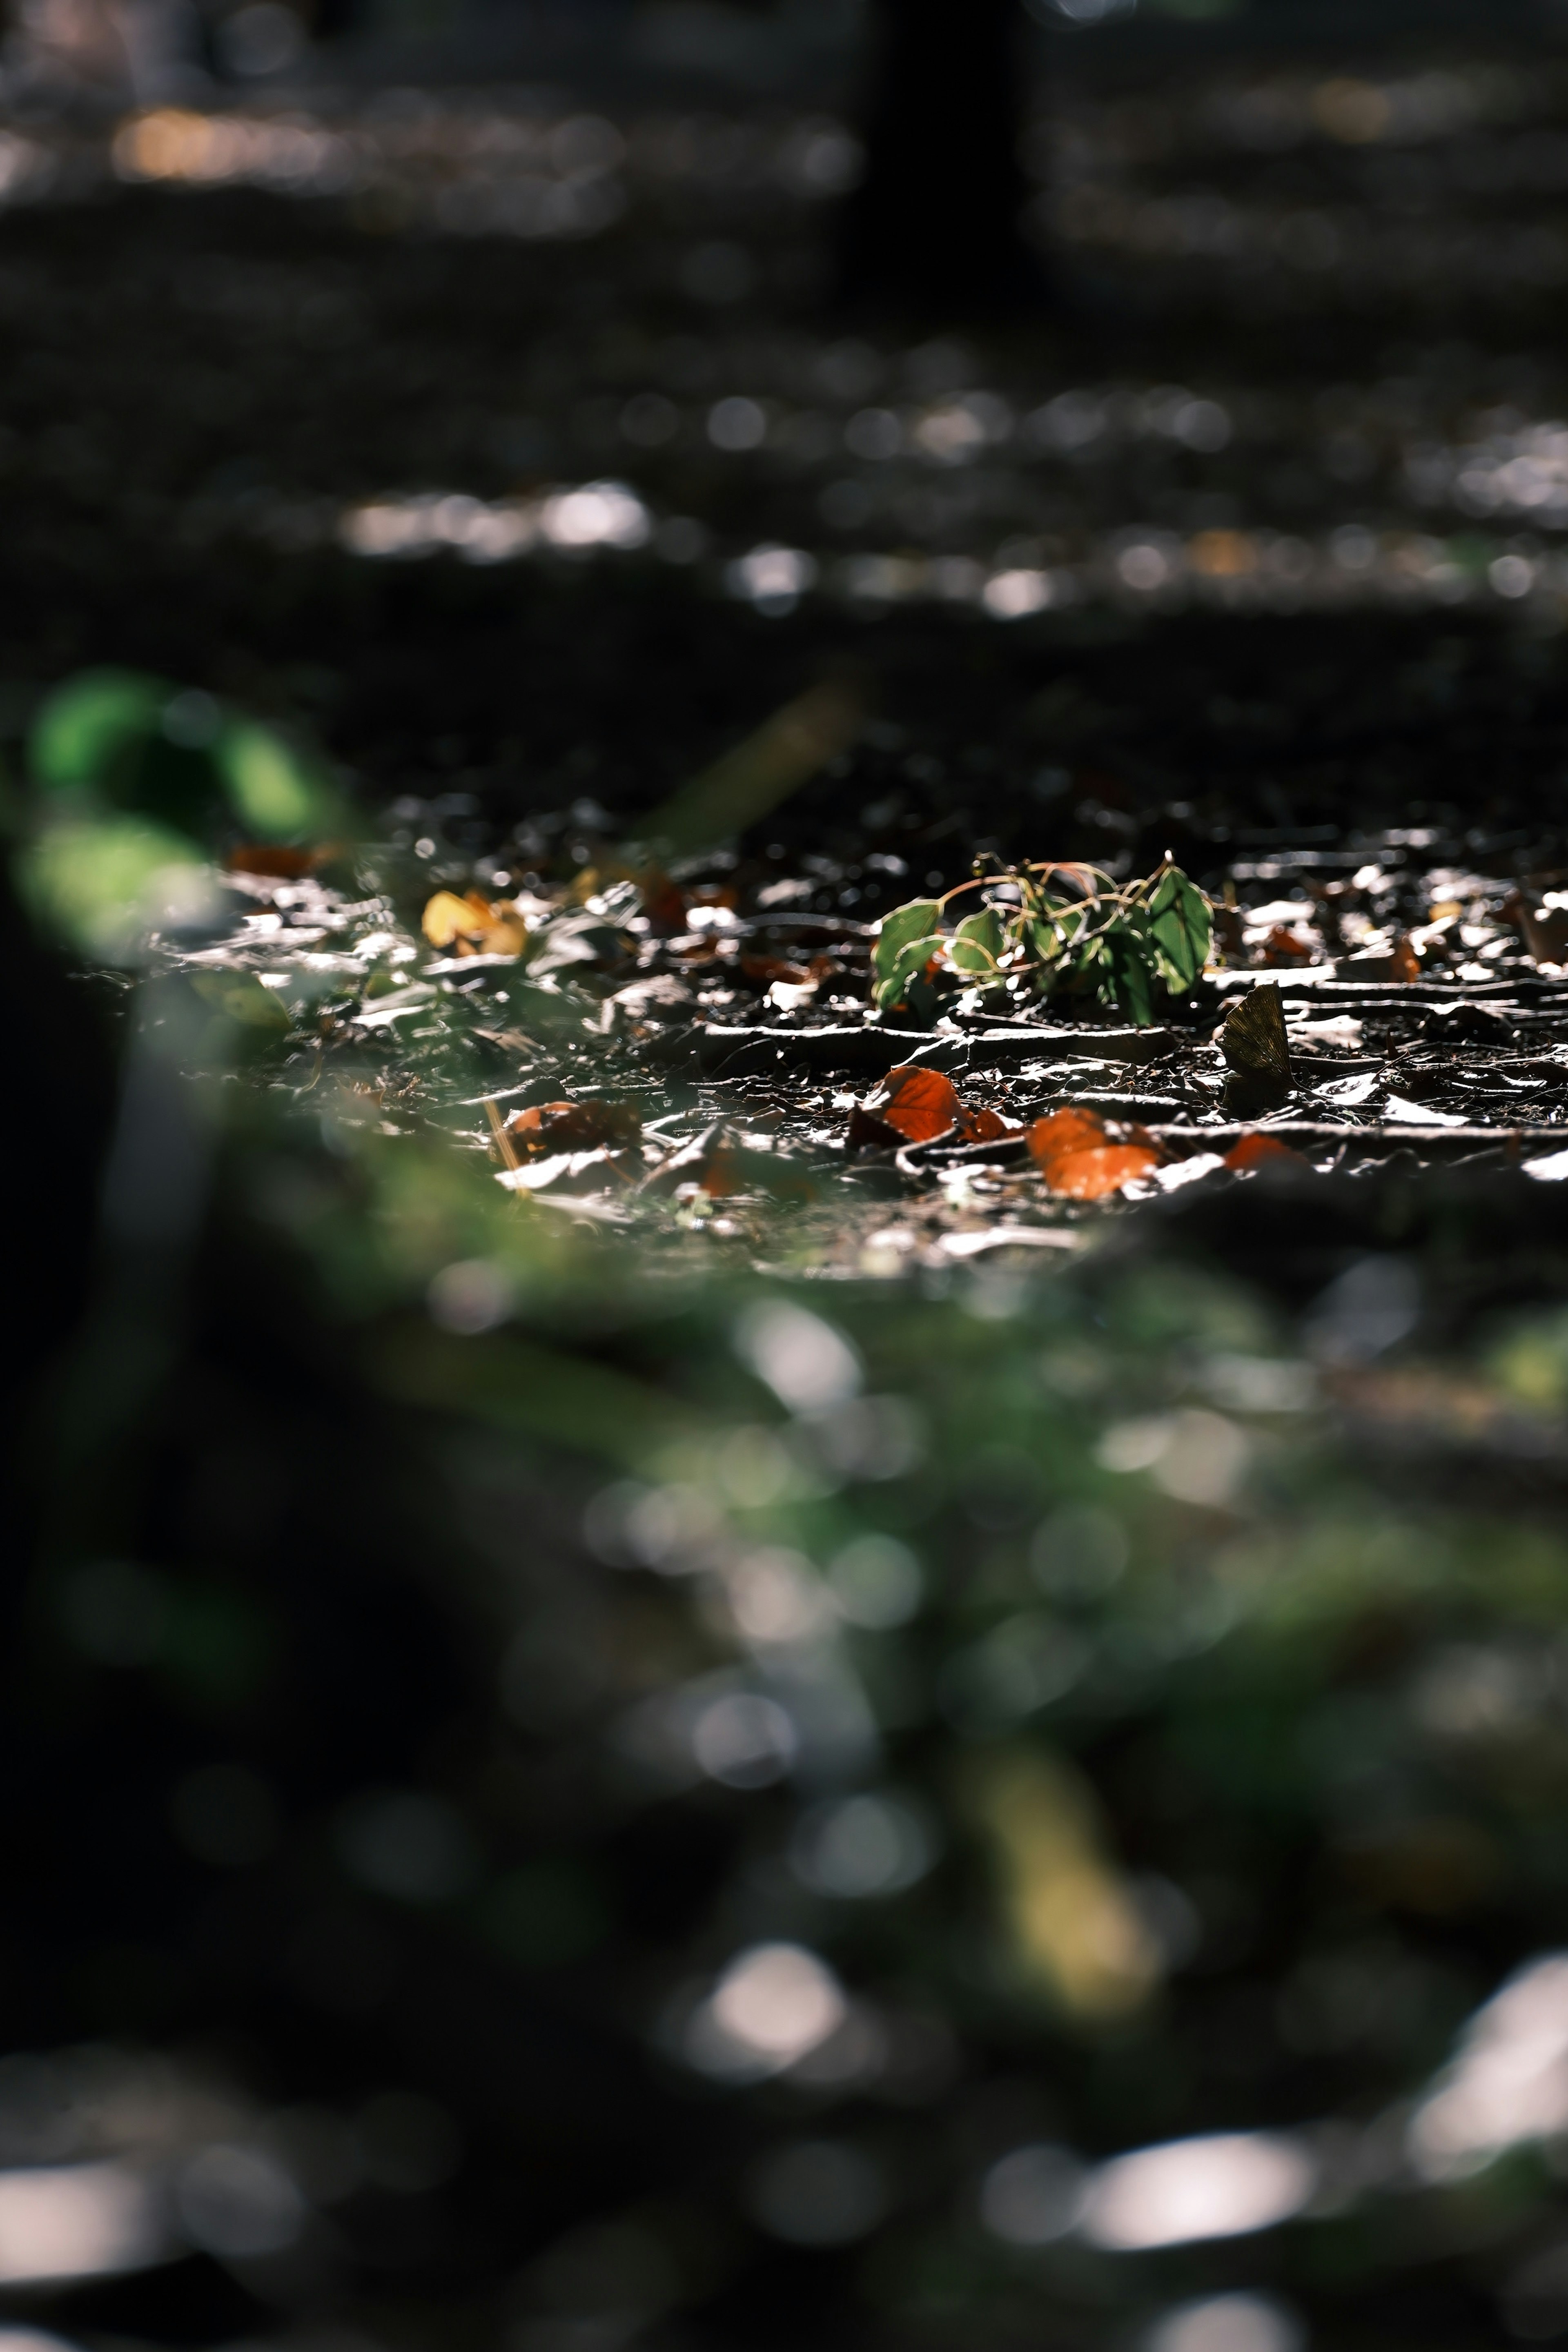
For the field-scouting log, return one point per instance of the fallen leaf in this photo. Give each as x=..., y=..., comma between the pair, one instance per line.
x=765, y=969
x=1261, y=1151
x=276, y=861
x=1256, y=1050
x=1283, y=946
x=473, y=925
x=921, y=1103
x=574, y=1127
x=1075, y=1153
x=869, y=1133
x=1404, y=963
x=989, y=1126
x=1066, y=1131
x=712, y=1160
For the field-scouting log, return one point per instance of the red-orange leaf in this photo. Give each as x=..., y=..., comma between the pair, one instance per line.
x=1064, y=1131
x=1090, y=1175
x=1075, y=1153
x=921, y=1103
x=988, y=1126
x=1260, y=1151
x=574, y=1127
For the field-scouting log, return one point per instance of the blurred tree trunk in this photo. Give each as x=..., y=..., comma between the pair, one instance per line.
x=933, y=229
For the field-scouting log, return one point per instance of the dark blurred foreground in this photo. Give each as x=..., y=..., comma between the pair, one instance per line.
x=566, y=1804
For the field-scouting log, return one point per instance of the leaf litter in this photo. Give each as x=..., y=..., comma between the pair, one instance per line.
x=665, y=1036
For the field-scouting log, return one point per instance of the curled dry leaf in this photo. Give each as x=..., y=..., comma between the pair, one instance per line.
x=1080, y=1159
x=575, y=1126
x=473, y=925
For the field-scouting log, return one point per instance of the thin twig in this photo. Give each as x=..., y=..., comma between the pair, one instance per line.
x=504, y=1143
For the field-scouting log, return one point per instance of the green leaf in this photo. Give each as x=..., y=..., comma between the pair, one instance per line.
x=977, y=942
x=1118, y=964
x=899, y=929
x=905, y=974
x=1179, y=929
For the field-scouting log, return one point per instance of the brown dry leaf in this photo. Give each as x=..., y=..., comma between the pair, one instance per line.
x=1075, y=1153
x=575, y=1126
x=473, y=925
x=1260, y=1151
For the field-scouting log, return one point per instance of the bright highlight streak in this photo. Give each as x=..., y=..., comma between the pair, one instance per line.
x=1509, y=2081
x=84, y=2221
x=1222, y=2186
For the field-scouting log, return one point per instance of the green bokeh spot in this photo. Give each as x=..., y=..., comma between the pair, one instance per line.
x=272, y=791
x=86, y=725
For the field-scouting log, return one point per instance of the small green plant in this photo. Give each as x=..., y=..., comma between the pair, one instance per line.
x=1048, y=929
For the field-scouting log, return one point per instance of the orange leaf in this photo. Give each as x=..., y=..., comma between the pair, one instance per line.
x=921, y=1103
x=1090, y=1175
x=1063, y=1132
x=1405, y=963
x=1260, y=1151
x=574, y=1127
x=1077, y=1157
x=988, y=1126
